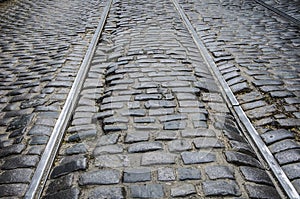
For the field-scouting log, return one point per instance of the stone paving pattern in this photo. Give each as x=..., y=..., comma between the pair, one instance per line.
x=290, y=7
x=42, y=44
x=151, y=122
x=261, y=69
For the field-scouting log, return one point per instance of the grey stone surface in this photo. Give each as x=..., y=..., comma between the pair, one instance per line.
x=144, y=147
x=188, y=173
x=75, y=165
x=197, y=157
x=101, y=177
x=155, y=158
x=137, y=175
x=262, y=191
x=106, y=192
x=183, y=190
x=166, y=174
x=221, y=188
x=147, y=191
x=219, y=172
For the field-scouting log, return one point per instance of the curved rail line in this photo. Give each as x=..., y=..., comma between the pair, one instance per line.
x=256, y=141
x=279, y=12
x=47, y=159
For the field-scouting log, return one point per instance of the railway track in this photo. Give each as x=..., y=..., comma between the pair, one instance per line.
x=49, y=167
x=280, y=12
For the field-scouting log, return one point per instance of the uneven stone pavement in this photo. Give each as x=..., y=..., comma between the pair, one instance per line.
x=151, y=121
x=257, y=53
x=42, y=44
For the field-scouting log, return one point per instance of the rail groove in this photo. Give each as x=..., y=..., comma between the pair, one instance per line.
x=256, y=140
x=47, y=158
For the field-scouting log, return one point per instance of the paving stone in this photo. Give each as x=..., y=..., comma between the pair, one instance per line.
x=145, y=97
x=112, y=161
x=159, y=112
x=159, y=104
x=241, y=159
x=179, y=145
x=19, y=122
x=134, y=113
x=255, y=175
x=108, y=149
x=198, y=157
x=292, y=170
x=296, y=184
x=106, y=192
x=166, y=174
x=283, y=145
x=166, y=135
x=262, y=191
x=168, y=118
x=198, y=133
x=100, y=177
x=11, y=150
x=145, y=120
x=156, y=158
x=221, y=188
x=108, y=139
x=288, y=156
x=276, y=135
x=290, y=122
x=147, y=191
x=241, y=147
x=72, y=193
x=39, y=140
x=82, y=135
x=175, y=125
x=137, y=175
x=261, y=112
x=16, y=190
x=189, y=174
x=183, y=190
x=208, y=143
x=23, y=161
x=16, y=176
x=76, y=149
x=136, y=136
x=144, y=147
x=59, y=184
x=115, y=127
x=75, y=165
x=219, y=172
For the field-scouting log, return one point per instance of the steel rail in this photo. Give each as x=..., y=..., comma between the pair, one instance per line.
x=43, y=169
x=279, y=12
x=264, y=151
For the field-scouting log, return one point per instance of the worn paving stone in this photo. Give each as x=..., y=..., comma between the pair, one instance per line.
x=208, y=143
x=198, y=133
x=198, y=157
x=183, y=190
x=136, y=136
x=75, y=165
x=23, y=161
x=255, y=175
x=100, y=177
x=221, y=188
x=262, y=191
x=189, y=173
x=292, y=170
x=112, y=161
x=219, y=172
x=136, y=175
x=166, y=174
x=144, y=147
x=156, y=158
x=147, y=191
x=283, y=145
x=241, y=159
x=273, y=136
x=13, y=190
x=72, y=193
x=61, y=183
x=16, y=176
x=108, y=149
x=179, y=145
x=106, y=192
x=288, y=156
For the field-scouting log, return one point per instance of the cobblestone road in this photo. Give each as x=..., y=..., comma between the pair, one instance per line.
x=151, y=121
x=42, y=44
x=258, y=54
x=162, y=129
